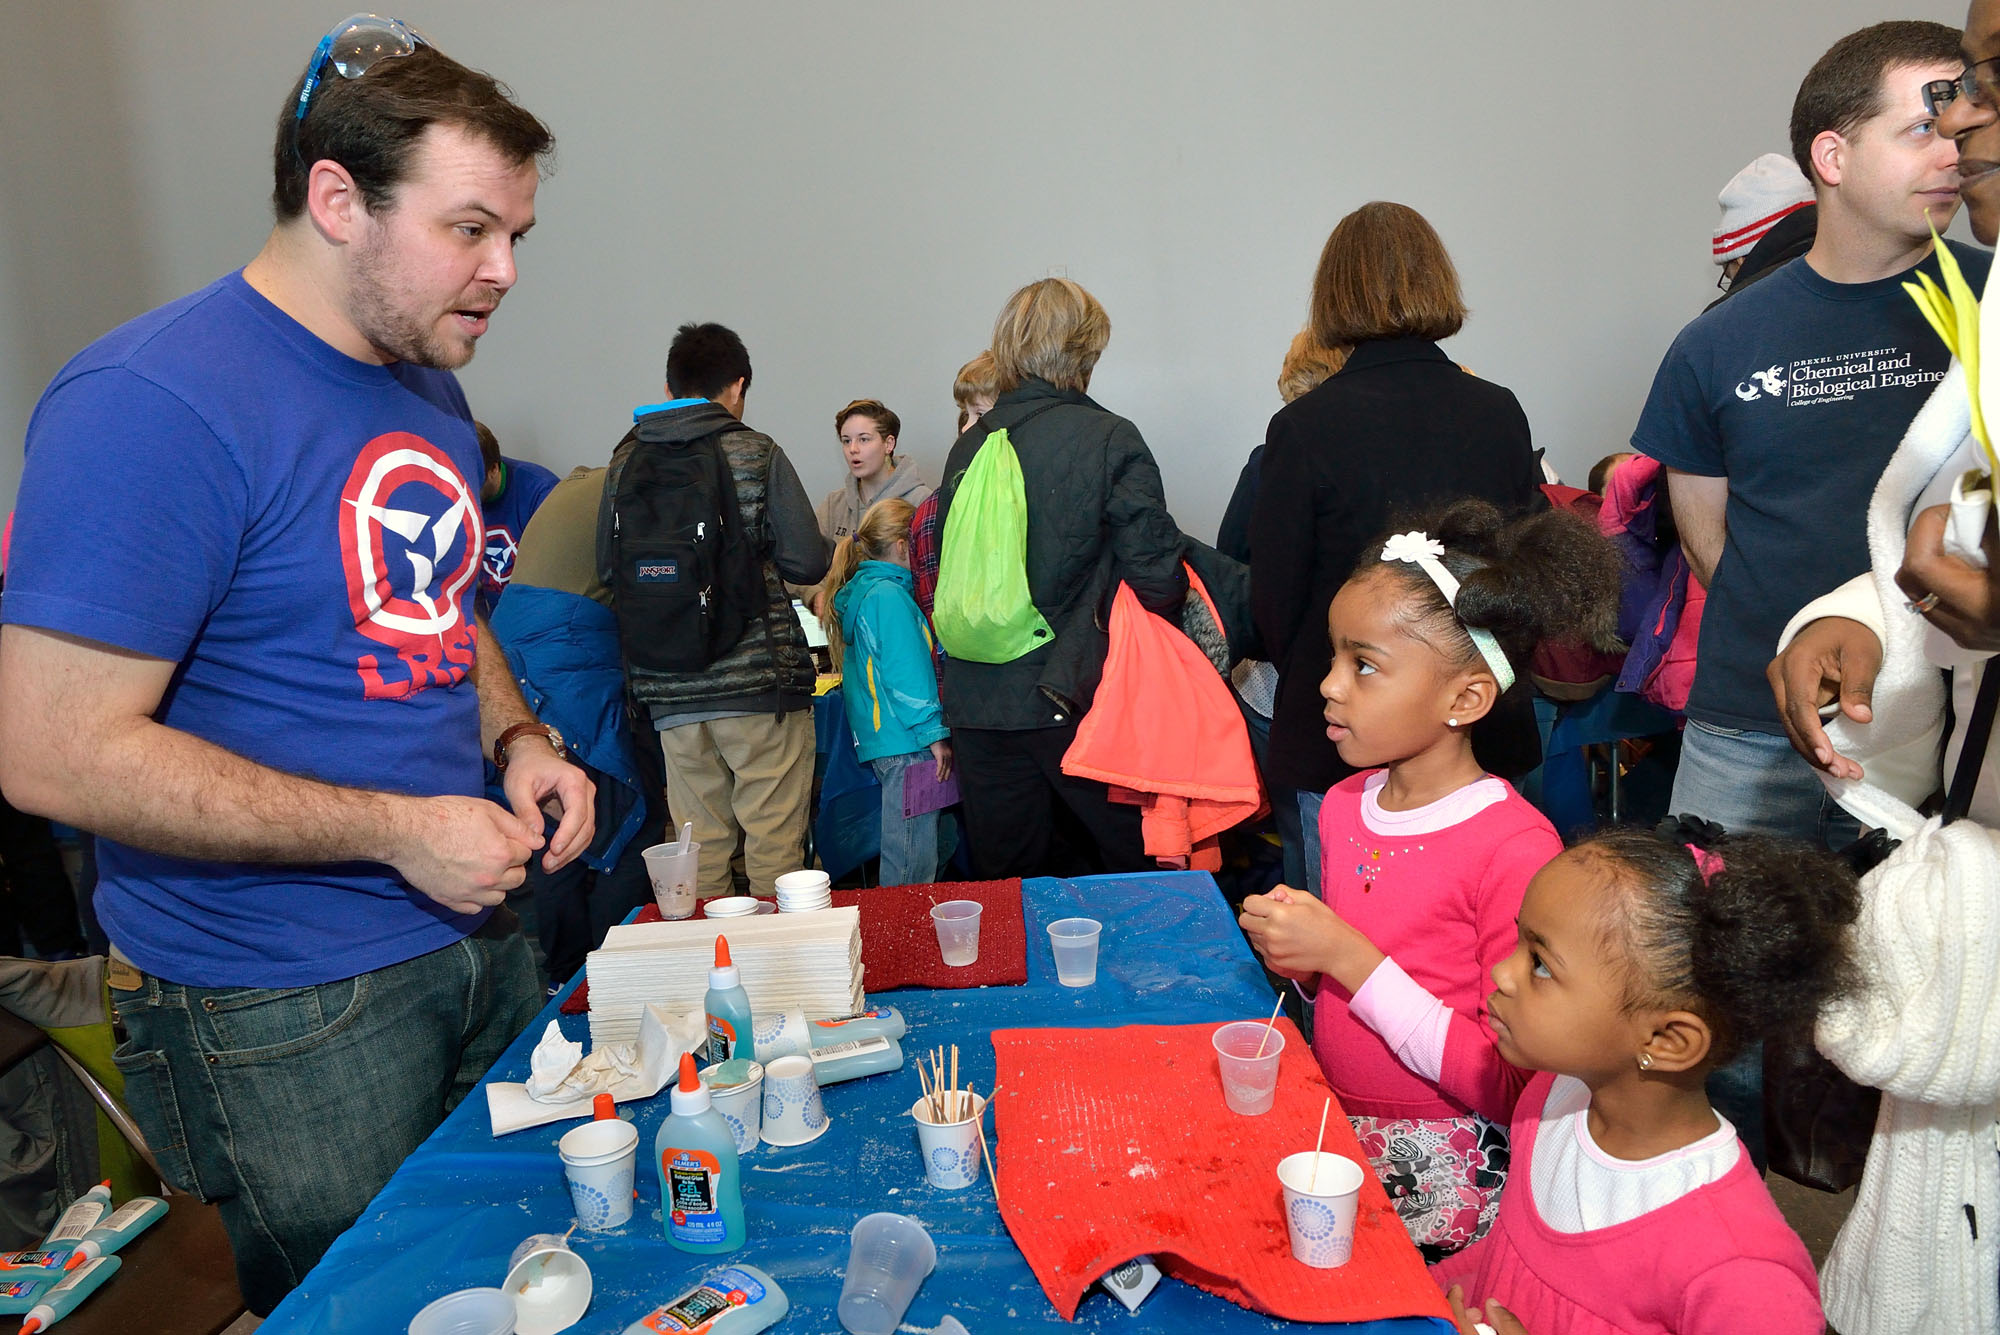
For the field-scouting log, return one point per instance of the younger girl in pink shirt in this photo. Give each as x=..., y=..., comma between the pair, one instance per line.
x=1424, y=860
x=1642, y=964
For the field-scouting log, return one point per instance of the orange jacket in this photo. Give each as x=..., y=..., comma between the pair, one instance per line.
x=1165, y=733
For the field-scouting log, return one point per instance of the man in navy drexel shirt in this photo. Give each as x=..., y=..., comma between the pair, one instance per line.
x=278, y=730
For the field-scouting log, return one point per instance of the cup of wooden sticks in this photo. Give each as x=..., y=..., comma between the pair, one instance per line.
x=950, y=1124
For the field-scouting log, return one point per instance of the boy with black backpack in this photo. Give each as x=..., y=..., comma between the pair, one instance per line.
x=702, y=521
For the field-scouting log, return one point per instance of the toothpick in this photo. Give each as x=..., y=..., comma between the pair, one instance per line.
x=985, y=1153
x=956, y=1106
x=571, y=1229
x=1269, y=1027
x=924, y=1084
x=1324, y=1108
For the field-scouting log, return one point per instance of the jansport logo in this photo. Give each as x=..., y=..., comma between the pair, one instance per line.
x=659, y=571
x=1770, y=382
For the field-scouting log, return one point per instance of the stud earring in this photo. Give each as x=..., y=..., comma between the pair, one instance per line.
x=1645, y=1061
x=1451, y=723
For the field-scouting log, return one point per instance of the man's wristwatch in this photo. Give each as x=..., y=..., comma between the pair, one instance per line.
x=519, y=730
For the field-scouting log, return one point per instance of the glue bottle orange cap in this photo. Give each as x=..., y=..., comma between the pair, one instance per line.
x=690, y=1082
x=722, y=960
x=603, y=1108
x=31, y=1325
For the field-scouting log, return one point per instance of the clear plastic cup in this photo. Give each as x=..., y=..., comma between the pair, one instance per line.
x=950, y=1148
x=1319, y=1207
x=467, y=1312
x=599, y=1159
x=887, y=1260
x=1074, y=941
x=1249, y=1082
x=957, y=923
x=673, y=875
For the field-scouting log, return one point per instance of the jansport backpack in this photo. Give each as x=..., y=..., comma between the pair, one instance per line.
x=685, y=575
x=982, y=611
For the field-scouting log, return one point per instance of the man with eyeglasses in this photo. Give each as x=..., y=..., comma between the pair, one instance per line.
x=1774, y=413
x=239, y=645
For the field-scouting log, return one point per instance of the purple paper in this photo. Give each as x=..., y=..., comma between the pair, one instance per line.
x=923, y=793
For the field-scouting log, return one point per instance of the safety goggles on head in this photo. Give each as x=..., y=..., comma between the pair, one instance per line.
x=357, y=44
x=1980, y=83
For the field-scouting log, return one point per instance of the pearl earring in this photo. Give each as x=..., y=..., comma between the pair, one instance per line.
x=1451, y=723
x=1645, y=1061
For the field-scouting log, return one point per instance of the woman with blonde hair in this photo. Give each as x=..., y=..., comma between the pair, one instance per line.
x=1096, y=514
x=1400, y=428
x=882, y=647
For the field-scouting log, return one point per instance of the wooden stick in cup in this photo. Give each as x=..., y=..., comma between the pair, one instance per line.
x=985, y=1153
x=1269, y=1027
x=958, y=1108
x=1325, y=1108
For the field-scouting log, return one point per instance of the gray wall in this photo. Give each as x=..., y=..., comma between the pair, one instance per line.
x=856, y=187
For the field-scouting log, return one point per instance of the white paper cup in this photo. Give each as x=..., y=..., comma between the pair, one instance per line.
x=950, y=1149
x=888, y=1257
x=1249, y=1082
x=673, y=875
x=806, y=883
x=793, y=1113
x=598, y=1159
x=549, y=1283
x=736, y=1090
x=467, y=1312
x=1074, y=941
x=957, y=924
x=731, y=906
x=1319, y=1211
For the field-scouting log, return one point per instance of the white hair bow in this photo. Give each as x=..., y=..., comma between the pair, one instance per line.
x=1420, y=549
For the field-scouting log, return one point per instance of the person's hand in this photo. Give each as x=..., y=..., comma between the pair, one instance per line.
x=815, y=599
x=464, y=852
x=1968, y=598
x=538, y=781
x=941, y=750
x=1297, y=935
x=1498, y=1320
x=1831, y=658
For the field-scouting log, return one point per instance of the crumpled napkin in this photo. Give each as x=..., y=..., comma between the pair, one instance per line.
x=563, y=1083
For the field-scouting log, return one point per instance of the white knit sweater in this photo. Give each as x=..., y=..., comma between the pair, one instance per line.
x=1925, y=1026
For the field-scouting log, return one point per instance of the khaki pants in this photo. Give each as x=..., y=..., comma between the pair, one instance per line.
x=751, y=774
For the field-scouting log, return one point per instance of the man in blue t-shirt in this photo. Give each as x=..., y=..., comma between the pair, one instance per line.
x=1775, y=411
x=238, y=645
x=512, y=490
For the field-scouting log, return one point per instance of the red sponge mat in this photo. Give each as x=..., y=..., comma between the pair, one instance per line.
x=1115, y=1143
x=898, y=944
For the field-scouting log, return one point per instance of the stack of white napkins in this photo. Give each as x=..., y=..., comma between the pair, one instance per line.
x=811, y=961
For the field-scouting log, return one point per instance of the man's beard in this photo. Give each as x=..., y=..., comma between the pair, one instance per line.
x=394, y=329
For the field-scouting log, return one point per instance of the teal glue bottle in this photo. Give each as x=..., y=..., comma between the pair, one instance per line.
x=125, y=1223
x=701, y=1196
x=728, y=1007
x=62, y=1298
x=82, y=1215
x=735, y=1300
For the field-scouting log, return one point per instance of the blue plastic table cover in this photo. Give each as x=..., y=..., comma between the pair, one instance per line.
x=453, y=1212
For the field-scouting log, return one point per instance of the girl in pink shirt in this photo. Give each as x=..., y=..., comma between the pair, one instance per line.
x=1424, y=859
x=1642, y=964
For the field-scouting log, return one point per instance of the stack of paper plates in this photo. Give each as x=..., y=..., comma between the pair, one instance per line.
x=811, y=961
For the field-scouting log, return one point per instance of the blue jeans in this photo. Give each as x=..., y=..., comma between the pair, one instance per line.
x=1309, y=805
x=290, y=1107
x=909, y=844
x=1753, y=783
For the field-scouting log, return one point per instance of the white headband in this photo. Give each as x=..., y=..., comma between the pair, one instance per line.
x=1421, y=550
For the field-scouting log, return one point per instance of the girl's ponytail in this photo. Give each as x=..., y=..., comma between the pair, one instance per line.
x=884, y=525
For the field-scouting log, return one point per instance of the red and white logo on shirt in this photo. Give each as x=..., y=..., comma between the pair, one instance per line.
x=410, y=544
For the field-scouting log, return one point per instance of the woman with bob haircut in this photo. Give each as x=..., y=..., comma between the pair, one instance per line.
x=1398, y=429
x=1096, y=515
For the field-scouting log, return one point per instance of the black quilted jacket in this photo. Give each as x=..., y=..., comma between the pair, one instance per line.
x=1096, y=515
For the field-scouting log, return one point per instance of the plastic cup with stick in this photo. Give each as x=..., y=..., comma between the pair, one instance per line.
x=672, y=869
x=1321, y=1192
x=1247, y=1055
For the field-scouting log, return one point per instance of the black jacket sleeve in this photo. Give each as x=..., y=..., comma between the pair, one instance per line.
x=1145, y=541
x=1281, y=560
x=1233, y=538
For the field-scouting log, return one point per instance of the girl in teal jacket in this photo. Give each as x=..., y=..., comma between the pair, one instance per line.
x=882, y=647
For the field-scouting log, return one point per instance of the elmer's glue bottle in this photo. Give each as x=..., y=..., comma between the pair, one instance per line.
x=62, y=1298
x=728, y=1007
x=701, y=1200
x=735, y=1300
x=80, y=1217
x=125, y=1223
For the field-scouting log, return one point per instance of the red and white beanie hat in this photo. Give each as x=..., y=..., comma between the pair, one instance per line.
x=1754, y=200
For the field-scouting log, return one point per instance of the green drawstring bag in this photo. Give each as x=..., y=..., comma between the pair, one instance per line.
x=982, y=610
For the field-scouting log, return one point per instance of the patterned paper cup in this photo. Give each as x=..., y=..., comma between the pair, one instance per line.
x=599, y=1159
x=736, y=1090
x=950, y=1149
x=1319, y=1208
x=793, y=1113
